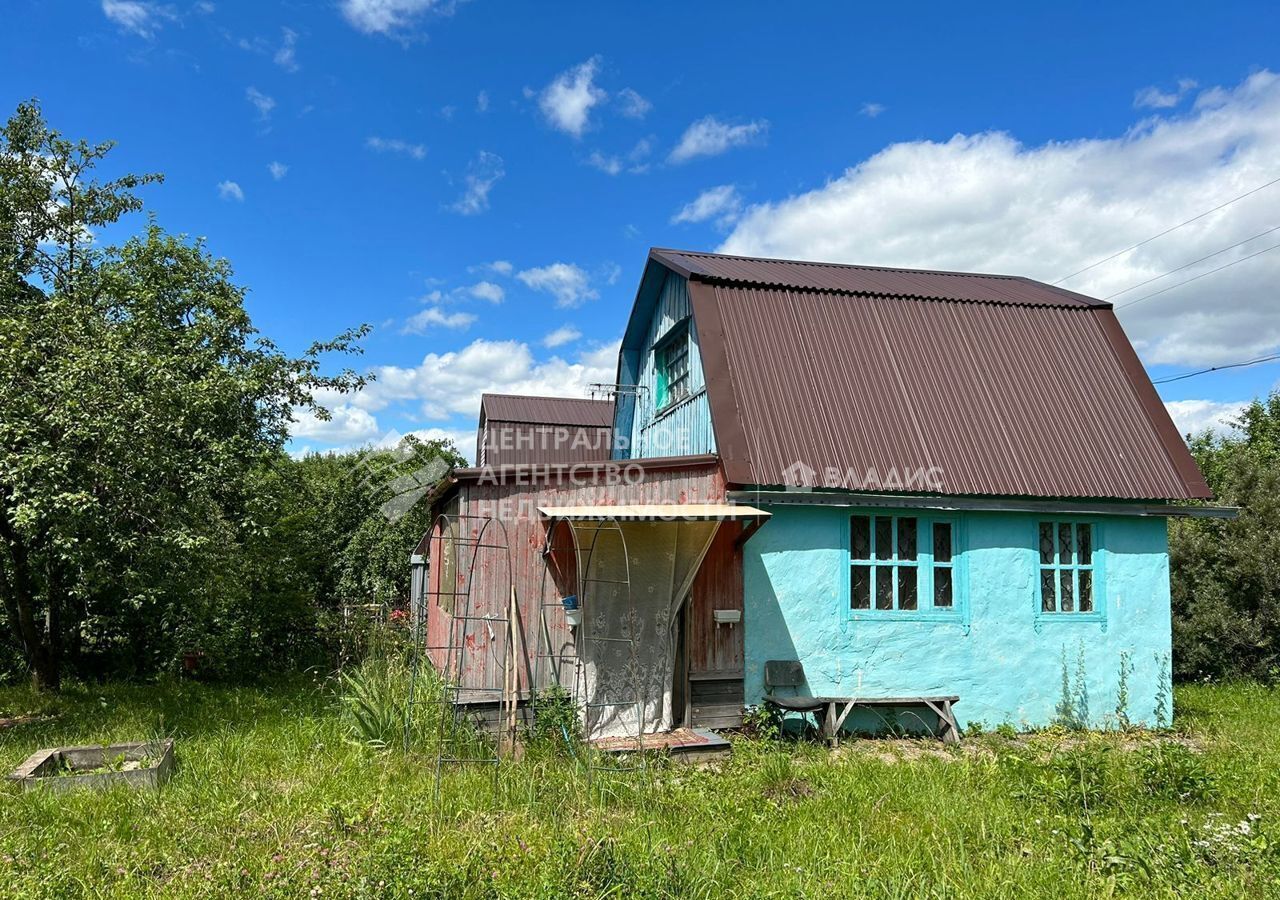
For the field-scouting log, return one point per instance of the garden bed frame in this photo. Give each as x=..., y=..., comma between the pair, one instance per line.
x=47, y=768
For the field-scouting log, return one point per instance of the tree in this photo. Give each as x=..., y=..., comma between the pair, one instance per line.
x=136, y=400
x=387, y=488
x=1226, y=573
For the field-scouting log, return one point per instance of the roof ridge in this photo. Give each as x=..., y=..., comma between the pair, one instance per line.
x=839, y=265
x=1083, y=304
x=859, y=280
x=544, y=397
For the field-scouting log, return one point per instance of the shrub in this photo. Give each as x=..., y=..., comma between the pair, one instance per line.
x=555, y=722
x=1172, y=771
x=1074, y=780
x=373, y=697
x=762, y=722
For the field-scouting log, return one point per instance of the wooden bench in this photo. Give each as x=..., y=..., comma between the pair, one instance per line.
x=832, y=712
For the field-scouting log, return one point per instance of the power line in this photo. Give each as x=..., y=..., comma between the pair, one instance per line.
x=1239, y=365
x=1166, y=231
x=1134, y=287
x=1234, y=262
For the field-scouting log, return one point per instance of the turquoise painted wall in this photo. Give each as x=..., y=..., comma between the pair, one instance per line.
x=686, y=427
x=1003, y=659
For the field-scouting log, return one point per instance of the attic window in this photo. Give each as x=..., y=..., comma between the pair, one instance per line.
x=671, y=358
x=1066, y=567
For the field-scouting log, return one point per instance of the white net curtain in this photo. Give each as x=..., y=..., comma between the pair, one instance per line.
x=635, y=577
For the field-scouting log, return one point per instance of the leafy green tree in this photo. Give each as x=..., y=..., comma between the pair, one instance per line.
x=373, y=563
x=1226, y=573
x=137, y=402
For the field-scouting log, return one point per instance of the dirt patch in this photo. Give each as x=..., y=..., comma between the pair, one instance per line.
x=791, y=789
x=987, y=746
x=18, y=721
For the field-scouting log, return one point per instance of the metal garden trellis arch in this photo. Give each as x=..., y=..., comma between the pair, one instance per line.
x=454, y=546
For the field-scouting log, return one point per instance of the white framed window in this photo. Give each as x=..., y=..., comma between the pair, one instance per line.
x=1068, y=579
x=671, y=357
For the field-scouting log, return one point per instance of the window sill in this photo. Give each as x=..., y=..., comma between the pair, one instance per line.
x=660, y=414
x=1066, y=618
x=898, y=615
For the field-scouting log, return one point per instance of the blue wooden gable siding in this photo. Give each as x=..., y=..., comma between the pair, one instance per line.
x=684, y=428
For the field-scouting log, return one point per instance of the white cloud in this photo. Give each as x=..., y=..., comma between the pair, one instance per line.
x=334, y=440
x=487, y=290
x=632, y=105
x=564, y=281
x=137, y=17
x=985, y=202
x=449, y=384
x=287, y=57
x=1155, y=98
x=871, y=110
x=609, y=165
x=565, y=334
x=261, y=102
x=396, y=145
x=348, y=425
x=463, y=439
x=633, y=161
x=277, y=169
x=567, y=101
x=723, y=203
x=229, y=190
x=482, y=174
x=385, y=16
x=1194, y=416
x=501, y=266
x=434, y=316
x=711, y=137
x=482, y=101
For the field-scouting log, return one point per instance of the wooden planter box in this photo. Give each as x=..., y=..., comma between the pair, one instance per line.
x=145, y=764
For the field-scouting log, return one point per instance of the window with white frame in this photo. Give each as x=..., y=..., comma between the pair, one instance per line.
x=671, y=356
x=1066, y=567
x=902, y=563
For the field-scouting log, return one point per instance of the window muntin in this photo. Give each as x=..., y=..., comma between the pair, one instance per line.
x=1066, y=564
x=901, y=564
x=671, y=357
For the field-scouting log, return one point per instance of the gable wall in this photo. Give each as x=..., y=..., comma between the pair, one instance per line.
x=685, y=428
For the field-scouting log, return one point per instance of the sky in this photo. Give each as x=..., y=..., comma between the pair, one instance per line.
x=481, y=182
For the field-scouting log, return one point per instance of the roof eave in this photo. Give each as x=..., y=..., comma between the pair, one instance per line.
x=1096, y=507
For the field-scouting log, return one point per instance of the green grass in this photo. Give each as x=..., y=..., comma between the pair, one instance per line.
x=273, y=798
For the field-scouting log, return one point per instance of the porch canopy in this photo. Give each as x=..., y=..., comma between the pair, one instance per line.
x=645, y=512
x=636, y=565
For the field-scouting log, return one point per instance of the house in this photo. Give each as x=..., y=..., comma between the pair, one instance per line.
x=913, y=483
x=516, y=429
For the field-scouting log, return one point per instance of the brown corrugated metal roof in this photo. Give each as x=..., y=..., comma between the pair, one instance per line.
x=869, y=280
x=546, y=410
x=1020, y=390
x=516, y=429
